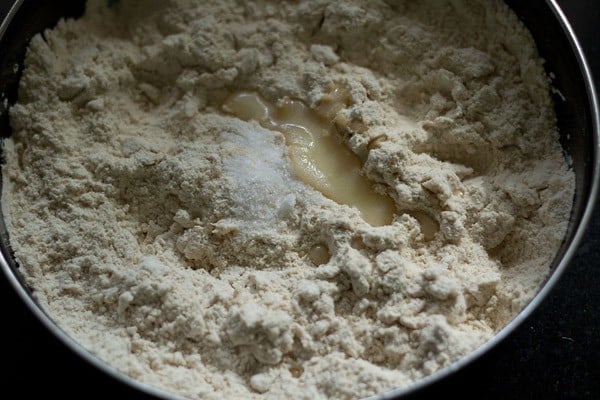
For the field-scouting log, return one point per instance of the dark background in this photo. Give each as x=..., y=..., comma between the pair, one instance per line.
x=554, y=354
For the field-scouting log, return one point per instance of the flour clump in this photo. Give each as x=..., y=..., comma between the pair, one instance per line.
x=178, y=242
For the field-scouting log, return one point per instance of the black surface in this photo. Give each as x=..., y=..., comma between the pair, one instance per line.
x=555, y=354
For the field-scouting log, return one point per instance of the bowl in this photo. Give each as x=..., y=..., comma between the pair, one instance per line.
x=576, y=108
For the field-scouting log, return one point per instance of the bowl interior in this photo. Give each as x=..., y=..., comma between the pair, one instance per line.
x=572, y=101
x=31, y=18
x=573, y=104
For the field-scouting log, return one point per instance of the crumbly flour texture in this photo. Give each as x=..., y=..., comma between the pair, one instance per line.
x=173, y=240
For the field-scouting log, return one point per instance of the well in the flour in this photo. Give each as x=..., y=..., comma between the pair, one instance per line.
x=316, y=152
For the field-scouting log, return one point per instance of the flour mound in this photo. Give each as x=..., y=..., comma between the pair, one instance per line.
x=172, y=240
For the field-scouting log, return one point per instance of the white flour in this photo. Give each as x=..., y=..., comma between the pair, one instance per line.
x=172, y=240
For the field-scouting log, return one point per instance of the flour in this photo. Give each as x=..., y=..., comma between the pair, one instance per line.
x=172, y=239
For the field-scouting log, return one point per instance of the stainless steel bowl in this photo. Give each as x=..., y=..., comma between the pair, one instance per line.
x=578, y=121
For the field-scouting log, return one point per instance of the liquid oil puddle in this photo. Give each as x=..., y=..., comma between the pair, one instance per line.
x=318, y=156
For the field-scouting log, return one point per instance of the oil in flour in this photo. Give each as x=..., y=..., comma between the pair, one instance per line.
x=175, y=241
x=317, y=155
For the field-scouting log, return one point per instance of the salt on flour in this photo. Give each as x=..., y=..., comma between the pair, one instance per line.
x=172, y=240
